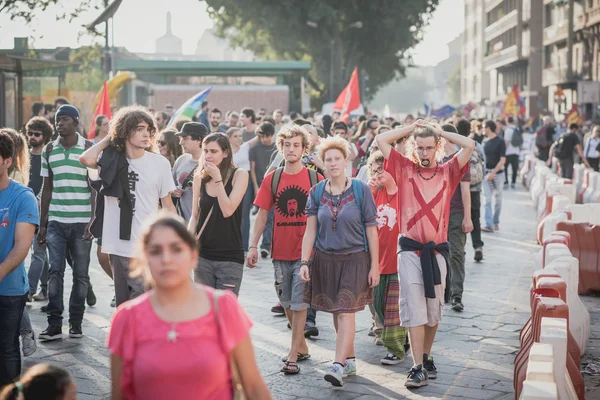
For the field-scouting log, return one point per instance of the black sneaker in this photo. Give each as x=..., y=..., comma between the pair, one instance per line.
x=310, y=331
x=417, y=377
x=52, y=332
x=264, y=253
x=278, y=309
x=457, y=305
x=430, y=368
x=391, y=359
x=478, y=254
x=406, y=345
x=91, y=297
x=75, y=331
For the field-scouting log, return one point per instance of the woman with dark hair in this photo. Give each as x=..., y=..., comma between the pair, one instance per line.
x=168, y=145
x=101, y=129
x=180, y=339
x=219, y=188
x=42, y=382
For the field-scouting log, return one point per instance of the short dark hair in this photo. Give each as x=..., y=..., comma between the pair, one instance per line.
x=48, y=108
x=7, y=146
x=396, y=124
x=573, y=126
x=340, y=125
x=216, y=111
x=370, y=121
x=36, y=107
x=510, y=120
x=269, y=119
x=501, y=121
x=265, y=129
x=490, y=124
x=293, y=115
x=449, y=128
x=40, y=124
x=61, y=100
x=362, y=118
x=463, y=127
x=204, y=103
x=249, y=113
x=302, y=122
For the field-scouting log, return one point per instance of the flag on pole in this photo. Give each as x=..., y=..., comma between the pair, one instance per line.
x=190, y=107
x=349, y=99
x=103, y=108
x=514, y=104
x=427, y=109
x=573, y=116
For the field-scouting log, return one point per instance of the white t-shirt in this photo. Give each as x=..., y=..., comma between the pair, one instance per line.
x=242, y=157
x=510, y=149
x=354, y=151
x=150, y=180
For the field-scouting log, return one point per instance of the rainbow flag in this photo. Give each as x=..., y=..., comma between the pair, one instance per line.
x=190, y=107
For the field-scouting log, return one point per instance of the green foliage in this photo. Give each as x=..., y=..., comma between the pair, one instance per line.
x=26, y=10
x=90, y=75
x=454, y=87
x=374, y=35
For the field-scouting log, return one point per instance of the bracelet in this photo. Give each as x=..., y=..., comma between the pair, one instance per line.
x=218, y=182
x=253, y=247
x=303, y=262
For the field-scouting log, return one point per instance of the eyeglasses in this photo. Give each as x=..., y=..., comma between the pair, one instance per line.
x=429, y=149
x=34, y=133
x=378, y=170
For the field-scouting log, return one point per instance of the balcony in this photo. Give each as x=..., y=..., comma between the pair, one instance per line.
x=556, y=33
x=555, y=76
x=592, y=15
x=501, y=58
x=505, y=23
x=490, y=4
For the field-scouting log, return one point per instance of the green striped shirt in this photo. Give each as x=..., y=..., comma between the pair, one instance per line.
x=71, y=197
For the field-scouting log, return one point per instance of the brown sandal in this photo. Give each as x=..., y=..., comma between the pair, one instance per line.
x=290, y=368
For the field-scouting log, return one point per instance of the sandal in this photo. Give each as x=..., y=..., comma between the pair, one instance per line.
x=301, y=357
x=290, y=368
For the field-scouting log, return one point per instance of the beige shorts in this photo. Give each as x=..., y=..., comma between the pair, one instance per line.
x=415, y=308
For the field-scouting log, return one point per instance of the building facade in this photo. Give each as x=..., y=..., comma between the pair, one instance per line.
x=474, y=85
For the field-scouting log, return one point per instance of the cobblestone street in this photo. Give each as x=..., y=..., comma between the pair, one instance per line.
x=474, y=350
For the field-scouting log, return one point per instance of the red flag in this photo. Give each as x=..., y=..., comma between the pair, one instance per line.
x=103, y=108
x=349, y=99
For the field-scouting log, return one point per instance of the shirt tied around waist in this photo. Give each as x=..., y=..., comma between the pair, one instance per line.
x=429, y=266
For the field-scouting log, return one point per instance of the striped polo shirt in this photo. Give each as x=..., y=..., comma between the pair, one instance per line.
x=71, y=197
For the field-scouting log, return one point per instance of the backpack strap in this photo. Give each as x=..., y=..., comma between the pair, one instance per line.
x=313, y=177
x=275, y=181
x=358, y=195
x=49, y=148
x=318, y=191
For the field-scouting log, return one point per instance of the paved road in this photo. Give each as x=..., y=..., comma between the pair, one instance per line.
x=474, y=350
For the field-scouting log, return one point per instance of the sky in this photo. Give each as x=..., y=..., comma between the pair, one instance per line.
x=138, y=32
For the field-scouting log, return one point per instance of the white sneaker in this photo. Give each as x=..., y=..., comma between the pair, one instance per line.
x=28, y=344
x=349, y=367
x=334, y=375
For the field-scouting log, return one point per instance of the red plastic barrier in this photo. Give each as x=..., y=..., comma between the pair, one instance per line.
x=585, y=246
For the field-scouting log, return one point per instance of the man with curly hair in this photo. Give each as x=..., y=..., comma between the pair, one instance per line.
x=134, y=180
x=425, y=188
x=287, y=189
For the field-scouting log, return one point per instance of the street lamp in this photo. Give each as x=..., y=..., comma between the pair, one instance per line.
x=315, y=25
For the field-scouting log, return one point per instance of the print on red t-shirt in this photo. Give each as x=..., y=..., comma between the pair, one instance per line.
x=388, y=230
x=289, y=222
x=424, y=204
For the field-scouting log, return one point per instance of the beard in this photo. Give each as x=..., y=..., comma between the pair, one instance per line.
x=214, y=124
x=35, y=143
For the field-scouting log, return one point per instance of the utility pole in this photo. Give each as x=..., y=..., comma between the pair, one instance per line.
x=570, y=34
x=107, y=61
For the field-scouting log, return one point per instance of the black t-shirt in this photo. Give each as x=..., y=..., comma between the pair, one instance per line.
x=569, y=141
x=35, y=177
x=494, y=150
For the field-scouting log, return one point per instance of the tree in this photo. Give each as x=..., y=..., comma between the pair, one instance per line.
x=374, y=35
x=26, y=10
x=454, y=87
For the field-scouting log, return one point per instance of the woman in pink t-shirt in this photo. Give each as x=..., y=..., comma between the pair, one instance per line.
x=171, y=343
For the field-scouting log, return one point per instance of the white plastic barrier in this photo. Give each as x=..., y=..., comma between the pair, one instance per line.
x=585, y=213
x=539, y=181
x=554, y=332
x=578, y=172
x=589, y=195
x=561, y=201
x=579, y=317
x=553, y=251
x=554, y=186
x=535, y=390
x=550, y=221
x=540, y=382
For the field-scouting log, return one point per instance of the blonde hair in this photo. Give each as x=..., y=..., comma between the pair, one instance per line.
x=333, y=143
x=425, y=132
x=376, y=157
x=289, y=133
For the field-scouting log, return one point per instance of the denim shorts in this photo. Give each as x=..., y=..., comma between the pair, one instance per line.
x=288, y=285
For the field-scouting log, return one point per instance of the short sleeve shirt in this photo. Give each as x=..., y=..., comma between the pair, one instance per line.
x=388, y=230
x=17, y=205
x=456, y=203
x=289, y=220
x=424, y=204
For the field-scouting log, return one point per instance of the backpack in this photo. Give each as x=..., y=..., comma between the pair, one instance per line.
x=358, y=195
x=312, y=176
x=517, y=137
x=560, y=150
x=541, y=140
x=476, y=167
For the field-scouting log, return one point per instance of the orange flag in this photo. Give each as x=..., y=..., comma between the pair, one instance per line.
x=573, y=116
x=103, y=108
x=349, y=99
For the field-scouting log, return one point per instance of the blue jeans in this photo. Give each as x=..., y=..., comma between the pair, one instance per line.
x=246, y=209
x=493, y=189
x=38, y=268
x=267, y=237
x=11, y=312
x=63, y=238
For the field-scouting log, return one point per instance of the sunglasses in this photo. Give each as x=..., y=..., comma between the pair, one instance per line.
x=31, y=133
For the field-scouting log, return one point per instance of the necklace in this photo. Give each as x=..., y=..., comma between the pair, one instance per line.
x=336, y=204
x=172, y=334
x=437, y=167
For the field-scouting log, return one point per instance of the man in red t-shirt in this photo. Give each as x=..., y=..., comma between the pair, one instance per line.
x=425, y=187
x=289, y=224
x=385, y=192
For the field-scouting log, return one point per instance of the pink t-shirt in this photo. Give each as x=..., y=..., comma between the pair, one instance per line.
x=194, y=366
x=424, y=204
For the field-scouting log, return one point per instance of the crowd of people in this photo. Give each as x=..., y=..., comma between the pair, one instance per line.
x=374, y=212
